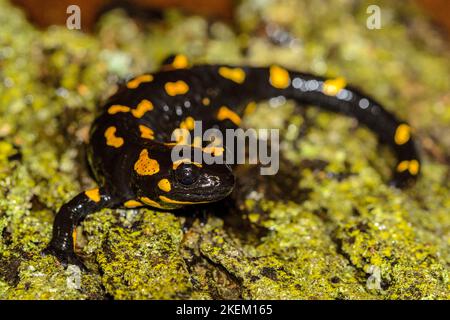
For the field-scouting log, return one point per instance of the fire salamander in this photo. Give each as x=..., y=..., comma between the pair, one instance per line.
x=130, y=141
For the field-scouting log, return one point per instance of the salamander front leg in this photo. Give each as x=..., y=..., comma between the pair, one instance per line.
x=62, y=243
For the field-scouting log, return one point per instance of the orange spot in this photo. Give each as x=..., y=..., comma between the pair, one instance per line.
x=402, y=134
x=215, y=151
x=197, y=142
x=175, y=88
x=133, y=84
x=206, y=101
x=226, y=113
x=118, y=108
x=142, y=108
x=180, y=62
x=331, y=87
x=151, y=202
x=164, y=185
x=93, y=194
x=111, y=138
x=146, y=132
x=74, y=238
x=146, y=166
x=234, y=74
x=132, y=204
x=279, y=77
x=414, y=167
x=250, y=108
x=188, y=123
x=83, y=89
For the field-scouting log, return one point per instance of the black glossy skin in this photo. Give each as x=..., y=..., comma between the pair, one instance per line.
x=114, y=167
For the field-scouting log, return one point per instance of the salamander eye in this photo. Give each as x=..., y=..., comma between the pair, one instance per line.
x=187, y=174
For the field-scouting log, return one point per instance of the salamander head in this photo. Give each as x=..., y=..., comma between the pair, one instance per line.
x=178, y=183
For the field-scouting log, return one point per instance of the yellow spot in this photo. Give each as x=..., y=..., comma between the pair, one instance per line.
x=111, y=138
x=402, y=134
x=168, y=200
x=146, y=132
x=145, y=166
x=279, y=77
x=234, y=74
x=403, y=166
x=250, y=108
x=225, y=113
x=181, y=136
x=215, y=147
x=175, y=88
x=118, y=108
x=150, y=202
x=133, y=84
x=177, y=163
x=331, y=87
x=142, y=108
x=132, y=204
x=180, y=61
x=164, y=185
x=83, y=89
x=93, y=194
x=412, y=166
x=170, y=144
x=206, y=101
x=187, y=123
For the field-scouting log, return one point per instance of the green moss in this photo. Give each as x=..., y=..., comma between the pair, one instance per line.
x=326, y=227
